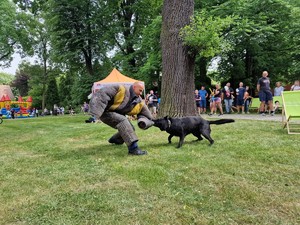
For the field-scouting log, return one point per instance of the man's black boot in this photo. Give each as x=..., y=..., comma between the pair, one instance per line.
x=137, y=151
x=133, y=149
x=116, y=139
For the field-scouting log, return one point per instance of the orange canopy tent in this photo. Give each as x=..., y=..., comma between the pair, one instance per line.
x=115, y=77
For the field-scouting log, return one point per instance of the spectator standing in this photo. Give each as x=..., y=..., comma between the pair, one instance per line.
x=212, y=105
x=197, y=100
x=247, y=99
x=227, y=93
x=203, y=95
x=152, y=103
x=278, y=89
x=296, y=86
x=85, y=108
x=264, y=93
x=45, y=111
x=12, y=113
x=240, y=91
x=62, y=110
x=218, y=99
x=36, y=112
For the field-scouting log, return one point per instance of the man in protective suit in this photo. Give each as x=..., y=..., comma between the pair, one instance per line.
x=110, y=104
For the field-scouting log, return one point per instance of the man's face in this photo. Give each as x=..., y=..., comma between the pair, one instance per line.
x=138, y=89
x=265, y=74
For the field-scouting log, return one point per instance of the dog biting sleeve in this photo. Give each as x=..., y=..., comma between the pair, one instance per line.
x=144, y=123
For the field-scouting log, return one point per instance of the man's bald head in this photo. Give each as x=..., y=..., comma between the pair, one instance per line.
x=265, y=73
x=138, y=88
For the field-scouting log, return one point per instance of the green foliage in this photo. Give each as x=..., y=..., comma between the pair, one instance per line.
x=36, y=82
x=150, y=69
x=76, y=29
x=6, y=78
x=259, y=39
x=65, y=82
x=14, y=32
x=126, y=32
x=8, y=33
x=245, y=36
x=294, y=32
x=52, y=96
x=205, y=34
x=21, y=82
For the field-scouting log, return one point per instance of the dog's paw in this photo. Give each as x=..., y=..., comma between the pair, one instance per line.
x=211, y=143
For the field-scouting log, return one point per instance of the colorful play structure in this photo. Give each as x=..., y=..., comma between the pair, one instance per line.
x=21, y=108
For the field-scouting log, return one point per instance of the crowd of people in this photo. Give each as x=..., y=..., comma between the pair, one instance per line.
x=239, y=100
x=152, y=101
x=227, y=100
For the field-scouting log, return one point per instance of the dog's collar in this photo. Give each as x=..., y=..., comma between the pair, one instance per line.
x=169, y=123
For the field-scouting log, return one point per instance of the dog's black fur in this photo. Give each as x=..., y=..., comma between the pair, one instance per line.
x=183, y=126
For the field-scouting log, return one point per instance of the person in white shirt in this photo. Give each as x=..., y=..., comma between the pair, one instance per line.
x=278, y=89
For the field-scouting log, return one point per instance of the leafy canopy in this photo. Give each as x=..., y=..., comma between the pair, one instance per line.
x=205, y=33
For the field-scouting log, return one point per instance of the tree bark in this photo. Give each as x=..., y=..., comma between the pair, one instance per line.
x=177, y=95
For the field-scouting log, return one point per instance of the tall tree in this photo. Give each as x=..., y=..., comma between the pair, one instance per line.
x=34, y=82
x=21, y=82
x=76, y=29
x=177, y=62
x=52, y=96
x=65, y=84
x=125, y=30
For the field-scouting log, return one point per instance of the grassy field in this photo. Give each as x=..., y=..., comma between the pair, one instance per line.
x=59, y=170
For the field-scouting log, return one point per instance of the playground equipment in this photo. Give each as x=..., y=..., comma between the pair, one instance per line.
x=7, y=105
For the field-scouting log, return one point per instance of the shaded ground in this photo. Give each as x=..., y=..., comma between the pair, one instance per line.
x=276, y=117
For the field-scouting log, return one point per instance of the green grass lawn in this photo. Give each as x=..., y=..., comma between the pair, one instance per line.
x=59, y=170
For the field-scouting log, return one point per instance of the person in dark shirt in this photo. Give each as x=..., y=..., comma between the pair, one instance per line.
x=240, y=91
x=264, y=93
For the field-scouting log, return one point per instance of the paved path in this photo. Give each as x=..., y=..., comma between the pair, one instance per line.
x=276, y=117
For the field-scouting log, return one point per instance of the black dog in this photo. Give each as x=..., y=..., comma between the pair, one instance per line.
x=183, y=126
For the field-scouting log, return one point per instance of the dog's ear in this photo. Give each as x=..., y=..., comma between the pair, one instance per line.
x=166, y=117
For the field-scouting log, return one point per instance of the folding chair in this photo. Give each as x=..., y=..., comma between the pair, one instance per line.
x=291, y=111
x=255, y=104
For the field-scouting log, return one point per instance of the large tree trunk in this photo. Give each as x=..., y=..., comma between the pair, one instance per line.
x=177, y=95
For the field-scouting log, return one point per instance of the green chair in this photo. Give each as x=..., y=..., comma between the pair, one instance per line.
x=255, y=104
x=291, y=111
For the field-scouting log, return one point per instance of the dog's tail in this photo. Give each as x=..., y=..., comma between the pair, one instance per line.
x=221, y=121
